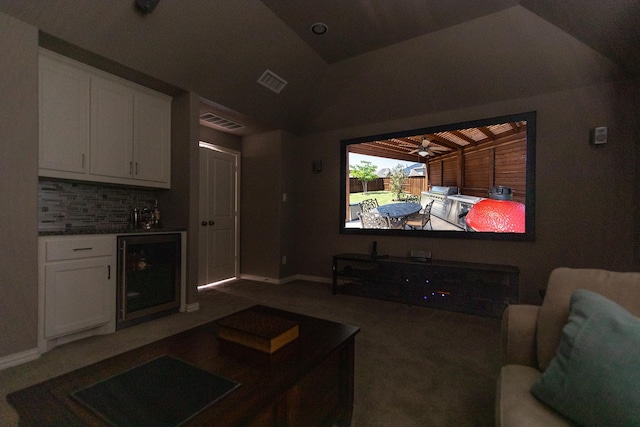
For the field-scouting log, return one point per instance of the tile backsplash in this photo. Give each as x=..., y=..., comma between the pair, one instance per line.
x=70, y=204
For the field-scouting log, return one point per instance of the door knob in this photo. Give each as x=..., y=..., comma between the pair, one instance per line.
x=204, y=223
x=212, y=222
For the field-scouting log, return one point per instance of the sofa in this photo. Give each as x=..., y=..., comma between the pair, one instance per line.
x=574, y=360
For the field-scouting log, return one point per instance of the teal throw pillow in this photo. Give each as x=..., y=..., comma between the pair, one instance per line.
x=594, y=379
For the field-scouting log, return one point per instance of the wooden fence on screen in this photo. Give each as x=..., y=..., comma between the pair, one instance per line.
x=413, y=185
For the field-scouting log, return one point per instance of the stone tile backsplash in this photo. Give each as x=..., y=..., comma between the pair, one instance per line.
x=70, y=204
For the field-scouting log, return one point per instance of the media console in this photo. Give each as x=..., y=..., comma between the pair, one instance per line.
x=481, y=289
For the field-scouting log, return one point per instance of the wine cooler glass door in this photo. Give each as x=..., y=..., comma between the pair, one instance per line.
x=148, y=277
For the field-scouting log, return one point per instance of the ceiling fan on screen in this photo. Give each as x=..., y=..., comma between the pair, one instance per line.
x=423, y=149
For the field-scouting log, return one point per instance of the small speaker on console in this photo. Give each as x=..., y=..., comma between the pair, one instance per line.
x=420, y=256
x=599, y=135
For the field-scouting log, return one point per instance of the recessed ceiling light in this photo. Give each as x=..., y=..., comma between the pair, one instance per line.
x=319, y=28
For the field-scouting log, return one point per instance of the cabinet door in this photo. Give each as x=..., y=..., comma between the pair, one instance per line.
x=77, y=295
x=152, y=138
x=111, y=129
x=64, y=99
x=321, y=395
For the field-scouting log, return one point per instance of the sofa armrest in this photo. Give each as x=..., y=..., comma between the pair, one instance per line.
x=519, y=324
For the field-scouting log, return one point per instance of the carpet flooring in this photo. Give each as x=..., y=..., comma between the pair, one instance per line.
x=414, y=366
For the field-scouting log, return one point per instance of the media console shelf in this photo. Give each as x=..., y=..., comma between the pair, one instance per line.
x=481, y=289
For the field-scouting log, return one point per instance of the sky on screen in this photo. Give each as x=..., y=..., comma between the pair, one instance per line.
x=379, y=162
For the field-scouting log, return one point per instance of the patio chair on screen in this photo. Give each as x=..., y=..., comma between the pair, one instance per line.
x=418, y=220
x=412, y=198
x=367, y=205
x=374, y=220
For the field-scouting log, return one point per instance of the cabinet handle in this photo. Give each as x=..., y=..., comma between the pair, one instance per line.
x=82, y=161
x=123, y=283
x=108, y=272
x=136, y=168
x=212, y=222
x=130, y=168
x=204, y=223
x=82, y=249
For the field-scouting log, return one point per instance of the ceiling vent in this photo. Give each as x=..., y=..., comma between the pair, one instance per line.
x=219, y=122
x=272, y=81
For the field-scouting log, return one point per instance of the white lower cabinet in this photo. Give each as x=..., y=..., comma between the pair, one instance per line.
x=76, y=296
x=76, y=287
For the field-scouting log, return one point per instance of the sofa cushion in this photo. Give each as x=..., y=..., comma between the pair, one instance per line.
x=516, y=406
x=623, y=288
x=594, y=379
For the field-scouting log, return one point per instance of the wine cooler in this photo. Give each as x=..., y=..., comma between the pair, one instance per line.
x=148, y=284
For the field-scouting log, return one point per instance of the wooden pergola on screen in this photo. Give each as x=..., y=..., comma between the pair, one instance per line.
x=473, y=159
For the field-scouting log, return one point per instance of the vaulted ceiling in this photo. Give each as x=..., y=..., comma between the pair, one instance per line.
x=378, y=60
x=355, y=27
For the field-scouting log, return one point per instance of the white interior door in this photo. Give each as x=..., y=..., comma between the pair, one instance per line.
x=218, y=237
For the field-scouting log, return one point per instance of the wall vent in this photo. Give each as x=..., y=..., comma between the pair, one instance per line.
x=219, y=122
x=272, y=81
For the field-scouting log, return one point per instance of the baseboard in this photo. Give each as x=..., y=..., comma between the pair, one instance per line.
x=260, y=279
x=19, y=358
x=189, y=308
x=318, y=279
x=285, y=279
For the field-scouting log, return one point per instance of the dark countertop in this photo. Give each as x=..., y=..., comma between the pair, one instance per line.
x=115, y=230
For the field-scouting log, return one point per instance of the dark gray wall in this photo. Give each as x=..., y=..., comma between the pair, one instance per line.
x=587, y=204
x=18, y=186
x=180, y=204
x=261, y=205
x=221, y=139
x=267, y=220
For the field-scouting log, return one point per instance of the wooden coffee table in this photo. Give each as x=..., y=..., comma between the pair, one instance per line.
x=309, y=382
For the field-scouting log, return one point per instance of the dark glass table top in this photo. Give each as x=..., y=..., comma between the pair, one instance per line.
x=397, y=210
x=161, y=392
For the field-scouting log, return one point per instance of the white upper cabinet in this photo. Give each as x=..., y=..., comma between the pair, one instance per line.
x=151, y=127
x=64, y=117
x=98, y=127
x=111, y=129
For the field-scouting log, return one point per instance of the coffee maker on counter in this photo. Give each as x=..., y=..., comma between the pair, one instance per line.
x=146, y=218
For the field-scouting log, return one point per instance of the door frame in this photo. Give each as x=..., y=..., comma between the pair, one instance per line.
x=237, y=156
